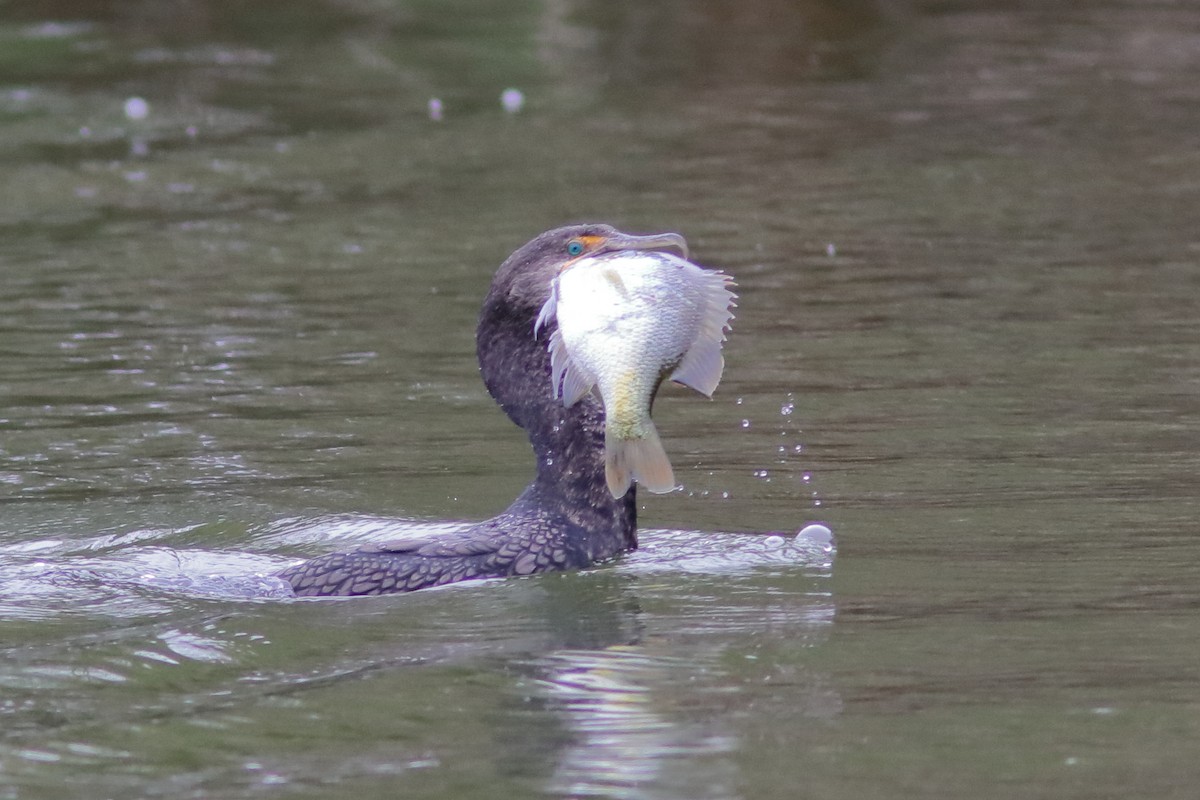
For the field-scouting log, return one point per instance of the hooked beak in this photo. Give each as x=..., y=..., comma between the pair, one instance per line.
x=652, y=241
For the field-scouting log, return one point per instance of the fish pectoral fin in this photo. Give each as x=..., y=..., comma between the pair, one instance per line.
x=570, y=381
x=703, y=364
x=642, y=459
x=576, y=383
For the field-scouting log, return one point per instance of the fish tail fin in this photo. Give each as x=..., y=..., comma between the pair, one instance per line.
x=642, y=459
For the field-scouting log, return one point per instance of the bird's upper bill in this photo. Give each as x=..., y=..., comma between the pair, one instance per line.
x=597, y=244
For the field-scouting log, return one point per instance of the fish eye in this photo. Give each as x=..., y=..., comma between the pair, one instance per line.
x=574, y=247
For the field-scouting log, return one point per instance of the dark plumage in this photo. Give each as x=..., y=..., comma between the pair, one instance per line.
x=566, y=518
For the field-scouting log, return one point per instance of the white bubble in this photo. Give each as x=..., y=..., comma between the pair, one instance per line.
x=745, y=423
x=774, y=541
x=787, y=408
x=831, y=250
x=816, y=533
x=435, y=109
x=136, y=108
x=512, y=100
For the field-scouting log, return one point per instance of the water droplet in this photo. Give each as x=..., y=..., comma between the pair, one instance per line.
x=739, y=401
x=136, y=108
x=798, y=448
x=435, y=109
x=831, y=250
x=787, y=408
x=745, y=423
x=512, y=100
x=806, y=477
x=761, y=473
x=724, y=495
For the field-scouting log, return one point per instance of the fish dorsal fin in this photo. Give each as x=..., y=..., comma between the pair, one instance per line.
x=702, y=364
x=549, y=310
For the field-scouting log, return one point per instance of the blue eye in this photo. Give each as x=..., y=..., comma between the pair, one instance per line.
x=574, y=247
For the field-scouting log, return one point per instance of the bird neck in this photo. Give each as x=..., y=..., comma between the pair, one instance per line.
x=567, y=442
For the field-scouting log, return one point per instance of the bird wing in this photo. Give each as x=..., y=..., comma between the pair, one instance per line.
x=441, y=545
x=486, y=550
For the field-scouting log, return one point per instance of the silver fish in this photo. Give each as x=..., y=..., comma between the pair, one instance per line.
x=626, y=321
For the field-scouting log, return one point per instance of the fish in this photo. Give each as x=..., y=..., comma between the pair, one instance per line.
x=626, y=321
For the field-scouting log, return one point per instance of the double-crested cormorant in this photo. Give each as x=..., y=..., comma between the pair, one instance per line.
x=566, y=518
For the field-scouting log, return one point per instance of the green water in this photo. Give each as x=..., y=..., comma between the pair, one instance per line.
x=239, y=331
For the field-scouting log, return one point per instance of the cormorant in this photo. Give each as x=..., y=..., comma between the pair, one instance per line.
x=566, y=518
